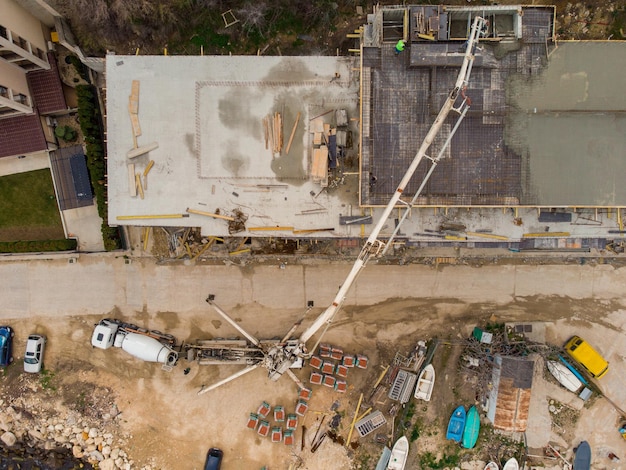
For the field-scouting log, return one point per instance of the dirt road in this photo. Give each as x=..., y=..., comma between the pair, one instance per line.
x=165, y=423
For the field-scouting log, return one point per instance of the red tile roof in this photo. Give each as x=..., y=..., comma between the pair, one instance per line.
x=20, y=135
x=46, y=88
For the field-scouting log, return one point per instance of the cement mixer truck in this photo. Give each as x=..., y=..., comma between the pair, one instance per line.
x=147, y=345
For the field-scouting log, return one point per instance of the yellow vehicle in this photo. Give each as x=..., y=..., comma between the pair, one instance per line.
x=586, y=356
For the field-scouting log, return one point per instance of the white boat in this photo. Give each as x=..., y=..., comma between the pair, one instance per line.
x=565, y=376
x=399, y=453
x=511, y=464
x=425, y=383
x=492, y=466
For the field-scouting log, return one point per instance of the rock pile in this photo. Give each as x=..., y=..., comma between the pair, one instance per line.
x=21, y=428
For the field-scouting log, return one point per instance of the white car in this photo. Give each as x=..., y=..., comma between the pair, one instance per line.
x=33, y=359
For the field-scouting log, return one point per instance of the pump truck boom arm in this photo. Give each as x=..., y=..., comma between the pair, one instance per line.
x=373, y=245
x=286, y=356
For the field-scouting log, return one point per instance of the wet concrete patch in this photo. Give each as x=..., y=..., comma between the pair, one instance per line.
x=568, y=126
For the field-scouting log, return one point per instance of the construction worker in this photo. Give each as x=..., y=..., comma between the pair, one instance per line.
x=400, y=46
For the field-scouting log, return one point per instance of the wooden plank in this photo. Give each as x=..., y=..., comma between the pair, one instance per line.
x=269, y=229
x=138, y=184
x=134, y=121
x=145, y=173
x=133, y=100
x=138, y=151
x=317, y=138
x=146, y=237
x=317, y=155
x=293, y=133
x=210, y=214
x=326, y=129
x=317, y=125
x=545, y=234
x=132, y=186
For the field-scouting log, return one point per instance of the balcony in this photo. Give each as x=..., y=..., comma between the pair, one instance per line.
x=20, y=52
x=12, y=102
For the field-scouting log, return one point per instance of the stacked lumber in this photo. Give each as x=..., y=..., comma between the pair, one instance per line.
x=319, y=168
x=273, y=130
x=135, y=183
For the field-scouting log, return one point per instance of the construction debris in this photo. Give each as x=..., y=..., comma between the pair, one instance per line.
x=145, y=173
x=239, y=223
x=133, y=110
x=273, y=130
x=215, y=215
x=138, y=151
x=132, y=186
x=293, y=133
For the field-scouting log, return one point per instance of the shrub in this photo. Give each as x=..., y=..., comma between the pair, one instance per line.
x=35, y=246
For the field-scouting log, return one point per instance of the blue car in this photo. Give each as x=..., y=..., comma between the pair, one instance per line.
x=6, y=345
x=213, y=459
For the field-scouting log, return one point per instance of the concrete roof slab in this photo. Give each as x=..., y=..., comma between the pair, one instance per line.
x=206, y=115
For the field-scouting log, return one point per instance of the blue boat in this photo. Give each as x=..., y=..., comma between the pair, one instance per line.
x=456, y=425
x=582, y=458
x=471, y=429
x=573, y=369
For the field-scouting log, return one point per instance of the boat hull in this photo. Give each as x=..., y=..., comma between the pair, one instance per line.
x=582, y=459
x=511, y=464
x=564, y=376
x=456, y=425
x=399, y=454
x=492, y=466
x=425, y=383
x=471, y=429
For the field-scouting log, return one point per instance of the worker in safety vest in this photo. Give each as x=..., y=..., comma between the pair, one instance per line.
x=400, y=46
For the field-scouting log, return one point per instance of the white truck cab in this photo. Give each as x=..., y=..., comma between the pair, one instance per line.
x=104, y=333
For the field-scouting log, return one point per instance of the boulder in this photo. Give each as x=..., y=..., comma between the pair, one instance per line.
x=77, y=451
x=8, y=438
x=107, y=464
x=35, y=434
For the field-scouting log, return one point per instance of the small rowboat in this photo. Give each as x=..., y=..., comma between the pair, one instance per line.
x=425, y=383
x=492, y=466
x=472, y=427
x=399, y=454
x=511, y=464
x=582, y=459
x=456, y=425
x=564, y=376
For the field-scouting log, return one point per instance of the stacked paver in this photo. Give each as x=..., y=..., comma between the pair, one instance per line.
x=260, y=420
x=331, y=367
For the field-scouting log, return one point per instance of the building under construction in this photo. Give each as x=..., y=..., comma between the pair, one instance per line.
x=545, y=127
x=315, y=146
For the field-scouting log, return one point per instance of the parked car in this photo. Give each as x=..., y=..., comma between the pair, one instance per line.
x=213, y=459
x=33, y=359
x=6, y=345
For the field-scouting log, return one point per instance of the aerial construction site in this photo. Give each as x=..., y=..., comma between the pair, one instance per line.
x=314, y=148
x=447, y=133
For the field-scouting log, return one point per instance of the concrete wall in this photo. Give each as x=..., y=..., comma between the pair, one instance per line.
x=14, y=78
x=21, y=22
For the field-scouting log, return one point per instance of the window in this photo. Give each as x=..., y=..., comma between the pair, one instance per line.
x=21, y=98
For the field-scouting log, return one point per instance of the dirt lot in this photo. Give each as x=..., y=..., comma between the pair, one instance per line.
x=164, y=423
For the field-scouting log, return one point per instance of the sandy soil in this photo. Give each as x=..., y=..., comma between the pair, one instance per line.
x=165, y=423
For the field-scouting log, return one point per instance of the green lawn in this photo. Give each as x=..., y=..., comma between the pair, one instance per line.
x=28, y=207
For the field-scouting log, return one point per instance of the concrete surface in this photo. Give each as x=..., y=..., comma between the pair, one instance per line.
x=206, y=114
x=85, y=224
x=97, y=284
x=11, y=165
x=570, y=298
